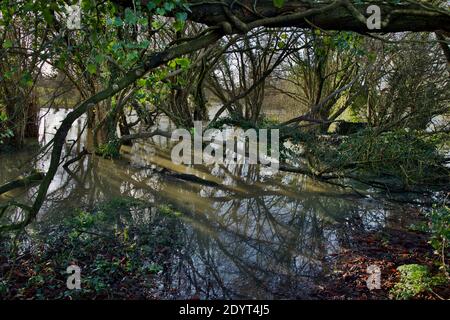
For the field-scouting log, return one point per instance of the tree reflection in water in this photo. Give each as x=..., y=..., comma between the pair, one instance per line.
x=255, y=235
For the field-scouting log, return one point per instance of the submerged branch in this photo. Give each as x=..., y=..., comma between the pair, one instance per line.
x=22, y=182
x=80, y=156
x=145, y=135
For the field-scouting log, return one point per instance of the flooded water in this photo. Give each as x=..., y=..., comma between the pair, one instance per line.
x=254, y=235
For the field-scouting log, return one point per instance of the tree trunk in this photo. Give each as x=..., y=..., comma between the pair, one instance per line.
x=345, y=15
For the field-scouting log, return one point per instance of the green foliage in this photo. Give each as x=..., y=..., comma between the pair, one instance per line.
x=278, y=3
x=7, y=44
x=344, y=42
x=154, y=268
x=85, y=219
x=36, y=280
x=3, y=117
x=3, y=288
x=404, y=155
x=267, y=123
x=120, y=204
x=414, y=279
x=236, y=120
x=169, y=211
x=438, y=226
x=232, y=120
x=110, y=150
x=5, y=133
x=122, y=238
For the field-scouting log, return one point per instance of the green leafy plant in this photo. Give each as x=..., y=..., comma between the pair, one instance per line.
x=278, y=3
x=3, y=288
x=110, y=150
x=440, y=233
x=153, y=268
x=169, y=211
x=404, y=155
x=5, y=133
x=438, y=226
x=414, y=279
x=236, y=120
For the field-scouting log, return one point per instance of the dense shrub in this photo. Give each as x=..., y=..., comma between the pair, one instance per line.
x=408, y=156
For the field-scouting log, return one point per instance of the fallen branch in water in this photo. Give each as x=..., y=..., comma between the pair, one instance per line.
x=30, y=180
x=390, y=186
x=22, y=182
x=189, y=178
x=15, y=226
x=141, y=135
x=145, y=135
x=77, y=158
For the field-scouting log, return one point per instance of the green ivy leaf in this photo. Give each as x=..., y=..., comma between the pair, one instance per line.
x=181, y=16
x=26, y=79
x=184, y=63
x=172, y=64
x=169, y=6
x=118, y=22
x=161, y=11
x=7, y=44
x=178, y=25
x=48, y=17
x=91, y=68
x=278, y=3
x=99, y=58
x=151, y=5
x=8, y=75
x=130, y=17
x=132, y=56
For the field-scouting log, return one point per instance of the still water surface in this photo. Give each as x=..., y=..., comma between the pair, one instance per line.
x=257, y=235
